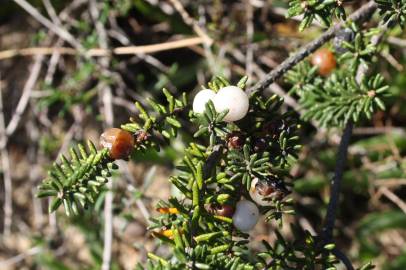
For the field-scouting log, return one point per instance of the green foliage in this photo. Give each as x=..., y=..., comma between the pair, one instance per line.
x=335, y=100
x=373, y=224
x=360, y=50
x=158, y=127
x=71, y=92
x=246, y=166
x=306, y=254
x=300, y=76
x=211, y=124
x=392, y=11
x=322, y=10
x=78, y=181
x=340, y=98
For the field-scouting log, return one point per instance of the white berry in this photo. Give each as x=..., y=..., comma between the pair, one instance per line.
x=200, y=100
x=246, y=215
x=256, y=197
x=233, y=99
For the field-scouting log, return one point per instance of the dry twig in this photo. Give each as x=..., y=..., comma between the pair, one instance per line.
x=397, y=41
x=102, y=52
x=5, y=162
x=393, y=197
x=191, y=22
x=20, y=257
x=106, y=96
x=25, y=97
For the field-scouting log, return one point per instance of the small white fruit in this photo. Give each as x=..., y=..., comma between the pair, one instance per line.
x=246, y=215
x=200, y=100
x=233, y=99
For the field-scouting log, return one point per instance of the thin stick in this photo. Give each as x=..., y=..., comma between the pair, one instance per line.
x=100, y=52
x=5, y=161
x=25, y=97
x=378, y=130
x=106, y=95
x=392, y=60
x=187, y=42
x=53, y=63
x=390, y=182
x=397, y=41
x=394, y=198
x=191, y=22
x=140, y=204
x=20, y=257
x=358, y=16
x=51, y=12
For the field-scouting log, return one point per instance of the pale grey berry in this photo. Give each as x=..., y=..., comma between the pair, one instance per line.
x=246, y=215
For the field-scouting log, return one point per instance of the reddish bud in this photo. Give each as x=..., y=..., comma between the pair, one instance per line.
x=264, y=189
x=235, y=140
x=119, y=142
x=324, y=59
x=141, y=136
x=224, y=210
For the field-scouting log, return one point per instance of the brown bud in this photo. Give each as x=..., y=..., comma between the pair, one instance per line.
x=224, y=210
x=235, y=140
x=141, y=136
x=119, y=142
x=264, y=189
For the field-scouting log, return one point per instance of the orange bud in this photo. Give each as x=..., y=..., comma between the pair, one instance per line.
x=168, y=210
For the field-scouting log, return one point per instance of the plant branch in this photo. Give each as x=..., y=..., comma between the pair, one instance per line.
x=343, y=258
x=360, y=15
x=335, y=184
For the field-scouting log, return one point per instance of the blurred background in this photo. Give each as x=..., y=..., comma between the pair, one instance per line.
x=54, y=98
